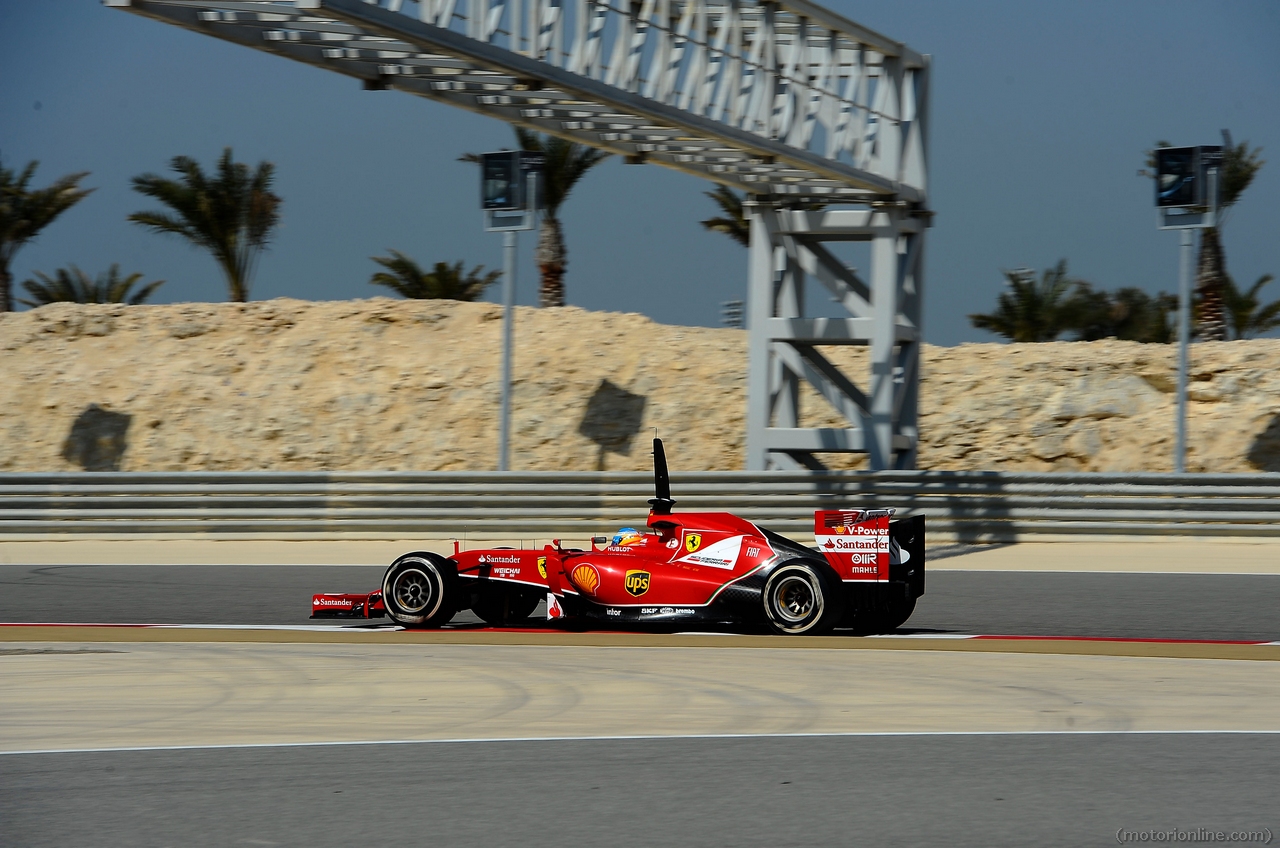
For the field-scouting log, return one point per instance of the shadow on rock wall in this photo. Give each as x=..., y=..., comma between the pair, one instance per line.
x=97, y=440
x=1264, y=453
x=612, y=418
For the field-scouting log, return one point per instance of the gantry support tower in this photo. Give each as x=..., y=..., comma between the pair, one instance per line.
x=821, y=121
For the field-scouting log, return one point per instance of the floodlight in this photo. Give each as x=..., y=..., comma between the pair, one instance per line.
x=1182, y=175
x=505, y=183
x=1176, y=177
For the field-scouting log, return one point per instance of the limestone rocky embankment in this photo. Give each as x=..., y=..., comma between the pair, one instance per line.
x=385, y=384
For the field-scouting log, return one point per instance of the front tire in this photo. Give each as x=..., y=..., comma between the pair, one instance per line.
x=418, y=590
x=799, y=600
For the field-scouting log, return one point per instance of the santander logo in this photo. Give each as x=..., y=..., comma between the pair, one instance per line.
x=854, y=544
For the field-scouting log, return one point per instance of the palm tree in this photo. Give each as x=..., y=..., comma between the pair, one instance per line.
x=74, y=286
x=230, y=214
x=24, y=212
x=1129, y=314
x=733, y=222
x=444, y=282
x=1244, y=310
x=566, y=164
x=1031, y=311
x=1240, y=164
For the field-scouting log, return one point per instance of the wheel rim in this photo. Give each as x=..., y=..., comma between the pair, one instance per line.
x=412, y=590
x=795, y=598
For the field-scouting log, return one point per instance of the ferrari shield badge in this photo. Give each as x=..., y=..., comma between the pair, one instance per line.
x=542, y=567
x=637, y=582
x=692, y=541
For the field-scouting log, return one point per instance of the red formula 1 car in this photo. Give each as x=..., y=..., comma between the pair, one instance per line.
x=687, y=568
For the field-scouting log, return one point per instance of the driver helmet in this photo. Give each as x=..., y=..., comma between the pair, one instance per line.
x=628, y=536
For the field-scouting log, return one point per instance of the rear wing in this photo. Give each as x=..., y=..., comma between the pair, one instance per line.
x=868, y=545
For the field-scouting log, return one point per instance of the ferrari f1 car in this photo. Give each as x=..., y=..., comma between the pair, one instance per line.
x=685, y=569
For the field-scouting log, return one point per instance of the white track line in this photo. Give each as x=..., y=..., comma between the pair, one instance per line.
x=642, y=738
x=322, y=628
x=390, y=628
x=941, y=569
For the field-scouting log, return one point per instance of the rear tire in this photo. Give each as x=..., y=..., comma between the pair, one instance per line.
x=503, y=606
x=418, y=590
x=799, y=599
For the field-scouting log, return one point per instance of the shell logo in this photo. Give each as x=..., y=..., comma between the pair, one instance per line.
x=586, y=578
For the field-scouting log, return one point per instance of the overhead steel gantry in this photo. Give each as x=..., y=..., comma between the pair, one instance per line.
x=785, y=100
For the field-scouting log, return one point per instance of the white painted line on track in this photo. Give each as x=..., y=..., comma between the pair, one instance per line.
x=920, y=636
x=852, y=734
x=321, y=628
x=940, y=569
x=392, y=628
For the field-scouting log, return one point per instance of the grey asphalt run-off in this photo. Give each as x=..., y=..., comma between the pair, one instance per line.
x=1066, y=789
x=1158, y=606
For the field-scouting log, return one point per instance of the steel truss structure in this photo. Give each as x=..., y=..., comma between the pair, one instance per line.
x=787, y=246
x=784, y=100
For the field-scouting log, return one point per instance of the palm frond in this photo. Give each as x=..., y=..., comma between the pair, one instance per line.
x=1247, y=316
x=443, y=282
x=1240, y=165
x=733, y=222
x=1256, y=288
x=566, y=164
x=1268, y=318
x=231, y=213
x=74, y=286
x=1032, y=311
x=25, y=211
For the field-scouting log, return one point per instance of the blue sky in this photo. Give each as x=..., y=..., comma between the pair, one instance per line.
x=1041, y=112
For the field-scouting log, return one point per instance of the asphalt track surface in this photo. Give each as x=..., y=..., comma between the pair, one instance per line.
x=972, y=790
x=1159, y=606
x=928, y=788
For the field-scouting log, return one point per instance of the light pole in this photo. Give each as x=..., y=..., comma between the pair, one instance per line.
x=510, y=199
x=508, y=335
x=1184, y=339
x=1187, y=196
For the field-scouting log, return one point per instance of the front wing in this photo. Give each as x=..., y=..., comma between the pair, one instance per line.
x=368, y=605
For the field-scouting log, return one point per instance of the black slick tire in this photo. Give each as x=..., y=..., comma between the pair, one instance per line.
x=800, y=599
x=418, y=590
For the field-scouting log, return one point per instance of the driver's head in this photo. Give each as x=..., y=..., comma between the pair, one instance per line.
x=628, y=536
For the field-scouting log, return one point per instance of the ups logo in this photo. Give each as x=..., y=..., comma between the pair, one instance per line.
x=637, y=582
x=692, y=541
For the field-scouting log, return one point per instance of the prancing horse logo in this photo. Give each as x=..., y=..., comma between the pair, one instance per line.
x=692, y=541
x=637, y=582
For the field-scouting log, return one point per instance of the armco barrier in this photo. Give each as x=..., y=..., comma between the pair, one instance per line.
x=968, y=506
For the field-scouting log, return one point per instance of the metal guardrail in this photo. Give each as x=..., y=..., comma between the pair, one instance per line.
x=967, y=506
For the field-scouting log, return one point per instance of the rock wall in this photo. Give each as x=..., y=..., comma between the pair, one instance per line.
x=386, y=384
